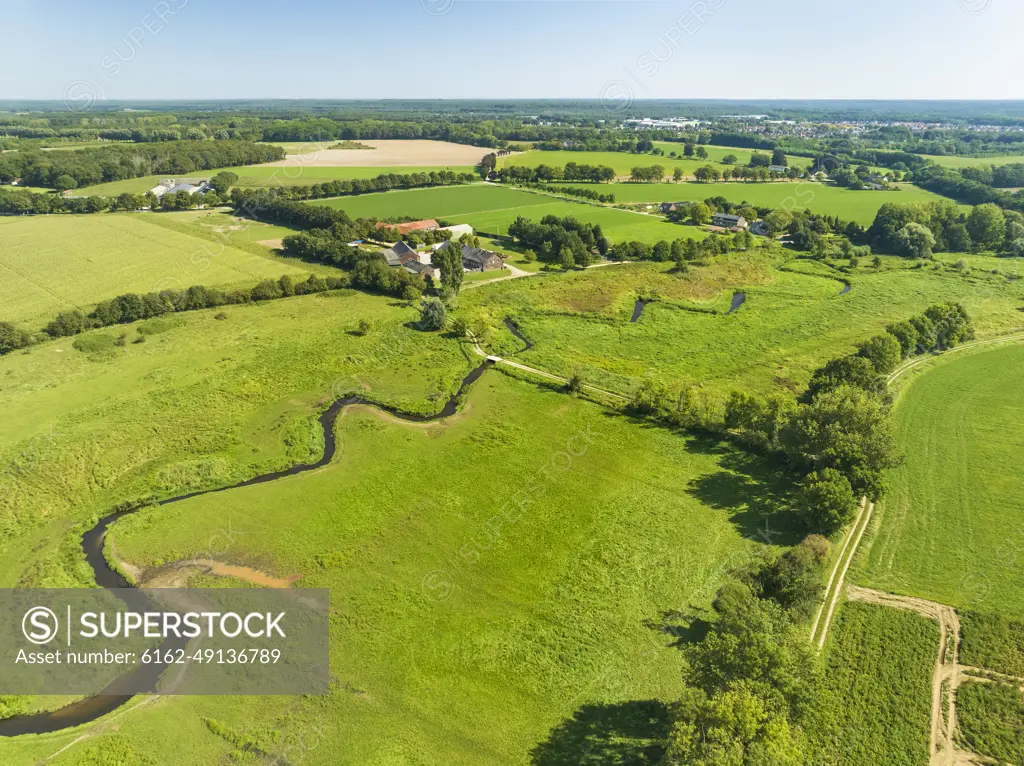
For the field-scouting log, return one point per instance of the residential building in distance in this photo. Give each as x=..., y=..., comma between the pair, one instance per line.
x=407, y=228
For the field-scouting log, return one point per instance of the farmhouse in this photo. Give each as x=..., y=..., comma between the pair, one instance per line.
x=778, y=168
x=477, y=259
x=406, y=228
x=425, y=270
x=726, y=221
x=671, y=207
x=400, y=255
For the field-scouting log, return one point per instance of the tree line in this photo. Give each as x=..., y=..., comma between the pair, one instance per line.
x=132, y=307
x=572, y=171
x=66, y=170
x=383, y=182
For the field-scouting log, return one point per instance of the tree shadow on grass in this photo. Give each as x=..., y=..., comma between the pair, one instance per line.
x=755, y=489
x=619, y=734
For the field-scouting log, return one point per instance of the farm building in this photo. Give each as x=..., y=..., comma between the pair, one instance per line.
x=726, y=221
x=406, y=228
x=671, y=207
x=188, y=185
x=459, y=230
x=425, y=270
x=401, y=254
x=478, y=259
x=778, y=168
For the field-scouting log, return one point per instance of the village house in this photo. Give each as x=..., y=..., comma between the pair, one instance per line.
x=401, y=254
x=727, y=221
x=476, y=258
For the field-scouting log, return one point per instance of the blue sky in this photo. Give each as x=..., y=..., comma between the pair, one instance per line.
x=176, y=49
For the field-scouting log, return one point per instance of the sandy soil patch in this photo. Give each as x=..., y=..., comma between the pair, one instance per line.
x=389, y=154
x=273, y=244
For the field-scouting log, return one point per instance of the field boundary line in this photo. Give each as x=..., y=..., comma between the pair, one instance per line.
x=835, y=569
x=1013, y=336
x=842, y=577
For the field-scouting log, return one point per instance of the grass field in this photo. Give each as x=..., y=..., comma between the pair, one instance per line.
x=471, y=648
x=859, y=206
x=295, y=173
x=973, y=162
x=950, y=528
x=50, y=264
x=874, y=706
x=623, y=162
x=492, y=209
x=790, y=324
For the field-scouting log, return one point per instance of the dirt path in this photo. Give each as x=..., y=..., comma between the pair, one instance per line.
x=846, y=555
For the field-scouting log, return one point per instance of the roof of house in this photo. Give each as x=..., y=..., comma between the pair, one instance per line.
x=181, y=188
x=729, y=217
x=402, y=248
x=418, y=268
x=478, y=255
x=391, y=258
x=405, y=228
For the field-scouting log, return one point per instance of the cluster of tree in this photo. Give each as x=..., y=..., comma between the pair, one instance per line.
x=571, y=172
x=571, y=191
x=29, y=203
x=957, y=185
x=73, y=170
x=12, y=338
x=1002, y=177
x=383, y=182
x=748, y=683
x=132, y=307
x=859, y=177
x=653, y=174
x=556, y=239
x=918, y=230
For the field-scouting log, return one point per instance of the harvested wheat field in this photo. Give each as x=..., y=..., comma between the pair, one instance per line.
x=390, y=154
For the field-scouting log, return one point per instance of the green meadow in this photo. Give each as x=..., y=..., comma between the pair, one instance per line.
x=950, y=529
x=794, y=318
x=492, y=209
x=955, y=161
x=50, y=264
x=859, y=206
x=295, y=173
x=623, y=162
x=465, y=630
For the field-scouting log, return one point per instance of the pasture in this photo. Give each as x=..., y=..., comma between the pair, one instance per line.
x=294, y=172
x=516, y=614
x=623, y=162
x=491, y=208
x=950, y=528
x=859, y=206
x=50, y=264
x=790, y=324
x=956, y=162
x=873, y=705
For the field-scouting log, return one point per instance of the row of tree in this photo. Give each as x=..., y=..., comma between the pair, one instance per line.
x=132, y=307
x=85, y=167
x=572, y=171
x=383, y=182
